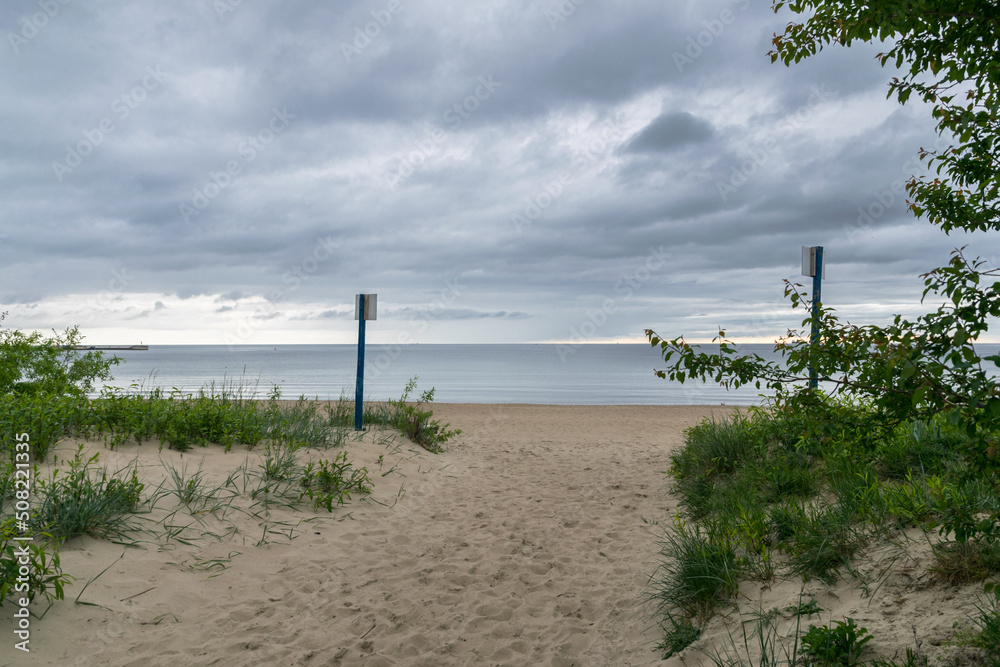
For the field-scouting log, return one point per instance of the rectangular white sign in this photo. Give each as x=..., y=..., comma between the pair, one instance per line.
x=370, y=302
x=809, y=262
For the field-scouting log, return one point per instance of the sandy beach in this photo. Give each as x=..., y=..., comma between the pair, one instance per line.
x=530, y=541
x=523, y=544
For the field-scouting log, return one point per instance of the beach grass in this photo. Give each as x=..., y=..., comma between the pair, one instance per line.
x=700, y=570
x=227, y=414
x=80, y=496
x=412, y=418
x=757, y=643
x=85, y=499
x=767, y=495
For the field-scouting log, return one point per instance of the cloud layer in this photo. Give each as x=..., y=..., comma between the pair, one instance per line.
x=213, y=171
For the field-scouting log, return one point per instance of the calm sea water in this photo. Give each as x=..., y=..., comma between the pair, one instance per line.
x=541, y=374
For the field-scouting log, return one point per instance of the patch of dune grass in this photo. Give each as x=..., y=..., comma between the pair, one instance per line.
x=700, y=570
x=770, y=494
x=87, y=500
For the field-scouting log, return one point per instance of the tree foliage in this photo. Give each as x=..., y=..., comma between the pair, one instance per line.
x=30, y=363
x=947, y=55
x=947, y=52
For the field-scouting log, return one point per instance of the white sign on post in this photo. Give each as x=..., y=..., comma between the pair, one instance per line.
x=809, y=262
x=370, y=301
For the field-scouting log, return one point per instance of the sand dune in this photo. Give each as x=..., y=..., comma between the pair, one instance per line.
x=523, y=544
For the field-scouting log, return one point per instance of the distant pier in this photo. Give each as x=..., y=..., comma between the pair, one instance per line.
x=107, y=347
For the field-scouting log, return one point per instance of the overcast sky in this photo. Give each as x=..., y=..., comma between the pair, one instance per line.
x=226, y=171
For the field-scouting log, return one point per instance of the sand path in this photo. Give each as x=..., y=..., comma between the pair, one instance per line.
x=524, y=544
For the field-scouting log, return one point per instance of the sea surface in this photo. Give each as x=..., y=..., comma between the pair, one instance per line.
x=540, y=374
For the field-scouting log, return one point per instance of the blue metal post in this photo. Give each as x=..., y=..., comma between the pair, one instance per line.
x=360, y=387
x=814, y=338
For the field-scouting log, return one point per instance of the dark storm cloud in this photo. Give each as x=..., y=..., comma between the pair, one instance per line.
x=670, y=131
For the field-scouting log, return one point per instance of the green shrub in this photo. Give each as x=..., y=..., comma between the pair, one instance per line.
x=329, y=482
x=224, y=416
x=818, y=480
x=778, y=428
x=45, y=576
x=721, y=467
x=33, y=365
x=966, y=509
x=826, y=423
x=753, y=532
x=839, y=646
x=416, y=423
